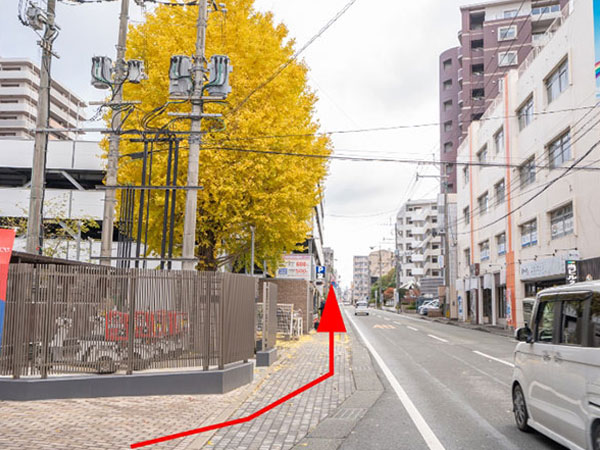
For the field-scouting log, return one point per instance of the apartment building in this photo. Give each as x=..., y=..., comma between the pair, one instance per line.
x=381, y=262
x=522, y=216
x=494, y=38
x=361, y=281
x=19, y=84
x=418, y=246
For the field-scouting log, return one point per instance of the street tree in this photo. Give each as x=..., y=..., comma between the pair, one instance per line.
x=245, y=183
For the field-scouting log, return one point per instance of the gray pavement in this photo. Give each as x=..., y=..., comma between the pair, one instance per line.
x=458, y=379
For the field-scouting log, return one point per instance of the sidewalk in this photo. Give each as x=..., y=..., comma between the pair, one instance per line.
x=115, y=423
x=493, y=329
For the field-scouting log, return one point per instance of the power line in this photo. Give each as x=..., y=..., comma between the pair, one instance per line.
x=295, y=56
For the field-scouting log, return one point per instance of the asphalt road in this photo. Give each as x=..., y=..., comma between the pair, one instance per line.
x=454, y=384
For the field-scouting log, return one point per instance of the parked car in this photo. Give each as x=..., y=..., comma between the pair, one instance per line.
x=428, y=306
x=556, y=381
x=362, y=308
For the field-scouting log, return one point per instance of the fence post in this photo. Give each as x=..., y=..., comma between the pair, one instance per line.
x=208, y=277
x=221, y=318
x=131, y=294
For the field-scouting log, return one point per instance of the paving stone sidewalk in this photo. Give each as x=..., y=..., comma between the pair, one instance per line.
x=115, y=423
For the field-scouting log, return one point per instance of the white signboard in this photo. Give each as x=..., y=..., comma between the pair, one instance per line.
x=296, y=266
x=546, y=268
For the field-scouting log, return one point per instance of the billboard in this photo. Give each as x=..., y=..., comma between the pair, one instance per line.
x=7, y=239
x=296, y=266
x=596, y=4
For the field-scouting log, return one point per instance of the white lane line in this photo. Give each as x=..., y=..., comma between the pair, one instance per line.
x=438, y=338
x=386, y=318
x=412, y=328
x=495, y=359
x=428, y=435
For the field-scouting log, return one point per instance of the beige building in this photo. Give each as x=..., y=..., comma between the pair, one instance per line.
x=521, y=212
x=381, y=262
x=19, y=84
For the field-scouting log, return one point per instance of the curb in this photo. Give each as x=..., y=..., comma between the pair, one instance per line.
x=331, y=432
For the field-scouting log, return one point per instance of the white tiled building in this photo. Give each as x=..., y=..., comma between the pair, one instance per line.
x=418, y=248
x=519, y=221
x=19, y=84
x=361, y=280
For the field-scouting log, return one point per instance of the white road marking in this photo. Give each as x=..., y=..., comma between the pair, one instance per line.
x=495, y=359
x=428, y=435
x=438, y=338
x=412, y=328
x=386, y=318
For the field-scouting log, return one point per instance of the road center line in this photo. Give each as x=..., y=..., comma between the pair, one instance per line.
x=495, y=359
x=412, y=328
x=428, y=435
x=438, y=338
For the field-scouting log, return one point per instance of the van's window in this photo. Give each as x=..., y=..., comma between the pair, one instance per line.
x=571, y=327
x=545, y=322
x=595, y=322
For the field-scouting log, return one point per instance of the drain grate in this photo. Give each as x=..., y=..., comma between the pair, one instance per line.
x=349, y=413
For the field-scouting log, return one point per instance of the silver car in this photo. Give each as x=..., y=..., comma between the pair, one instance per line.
x=362, y=308
x=556, y=381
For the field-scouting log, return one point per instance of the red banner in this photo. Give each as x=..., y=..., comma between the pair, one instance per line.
x=7, y=240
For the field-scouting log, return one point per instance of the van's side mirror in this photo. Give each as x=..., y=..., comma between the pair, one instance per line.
x=524, y=334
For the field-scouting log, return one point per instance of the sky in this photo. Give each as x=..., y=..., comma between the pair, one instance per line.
x=377, y=66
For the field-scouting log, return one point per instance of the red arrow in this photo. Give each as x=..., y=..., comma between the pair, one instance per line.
x=331, y=322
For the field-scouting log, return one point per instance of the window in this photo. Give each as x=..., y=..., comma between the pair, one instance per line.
x=477, y=69
x=506, y=59
x=467, y=215
x=447, y=64
x=558, y=81
x=545, y=322
x=501, y=244
x=595, y=321
x=447, y=85
x=500, y=190
x=468, y=257
x=466, y=174
x=545, y=9
x=525, y=113
x=484, y=250
x=482, y=154
x=510, y=13
x=529, y=234
x=561, y=221
x=483, y=202
x=447, y=147
x=571, y=322
x=507, y=33
x=435, y=246
x=559, y=151
x=447, y=105
x=527, y=172
x=449, y=168
x=477, y=44
x=448, y=126
x=501, y=85
x=499, y=141
x=478, y=94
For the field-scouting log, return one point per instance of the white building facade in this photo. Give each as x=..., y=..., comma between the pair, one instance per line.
x=522, y=212
x=361, y=280
x=19, y=84
x=418, y=245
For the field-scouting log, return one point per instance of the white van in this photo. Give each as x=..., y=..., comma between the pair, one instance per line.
x=556, y=381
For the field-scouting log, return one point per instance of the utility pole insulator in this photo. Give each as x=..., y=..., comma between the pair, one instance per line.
x=102, y=72
x=219, y=69
x=180, y=76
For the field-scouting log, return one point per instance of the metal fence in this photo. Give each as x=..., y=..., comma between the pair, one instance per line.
x=266, y=317
x=85, y=319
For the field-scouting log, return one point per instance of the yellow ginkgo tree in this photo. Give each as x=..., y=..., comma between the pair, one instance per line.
x=245, y=182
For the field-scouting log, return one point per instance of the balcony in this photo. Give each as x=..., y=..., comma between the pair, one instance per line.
x=419, y=231
x=418, y=272
x=417, y=258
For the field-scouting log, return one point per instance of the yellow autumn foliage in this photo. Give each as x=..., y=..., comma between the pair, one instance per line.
x=274, y=193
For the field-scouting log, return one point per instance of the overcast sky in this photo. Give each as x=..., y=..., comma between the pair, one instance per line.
x=377, y=66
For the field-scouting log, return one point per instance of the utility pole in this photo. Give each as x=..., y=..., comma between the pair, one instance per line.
x=252, y=252
x=446, y=250
x=191, y=200
x=38, y=170
x=110, y=196
x=380, y=287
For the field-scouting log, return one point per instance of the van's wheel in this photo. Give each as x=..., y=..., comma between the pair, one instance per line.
x=520, y=408
x=596, y=436
x=106, y=365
